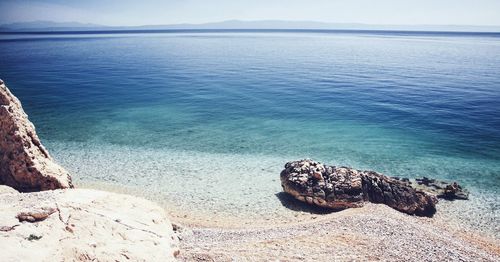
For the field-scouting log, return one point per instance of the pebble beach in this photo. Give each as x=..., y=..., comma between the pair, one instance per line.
x=372, y=233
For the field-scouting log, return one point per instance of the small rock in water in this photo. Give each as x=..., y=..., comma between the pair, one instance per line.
x=441, y=189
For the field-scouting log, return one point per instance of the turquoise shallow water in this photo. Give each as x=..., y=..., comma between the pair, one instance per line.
x=207, y=120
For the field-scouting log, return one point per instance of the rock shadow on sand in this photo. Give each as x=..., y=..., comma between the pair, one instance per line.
x=291, y=203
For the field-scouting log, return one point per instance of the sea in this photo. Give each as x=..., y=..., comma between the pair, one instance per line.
x=204, y=120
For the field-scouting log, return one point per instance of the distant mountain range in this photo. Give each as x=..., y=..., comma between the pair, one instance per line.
x=43, y=26
x=46, y=25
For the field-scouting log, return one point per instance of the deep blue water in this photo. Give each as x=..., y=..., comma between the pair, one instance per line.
x=406, y=104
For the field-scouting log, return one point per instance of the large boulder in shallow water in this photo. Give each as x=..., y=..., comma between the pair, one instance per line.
x=24, y=163
x=341, y=187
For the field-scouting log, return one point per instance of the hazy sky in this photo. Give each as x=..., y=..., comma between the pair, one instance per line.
x=142, y=12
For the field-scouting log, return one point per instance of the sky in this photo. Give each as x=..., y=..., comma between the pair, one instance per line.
x=154, y=12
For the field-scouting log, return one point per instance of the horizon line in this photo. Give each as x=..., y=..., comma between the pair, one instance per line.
x=160, y=31
x=245, y=21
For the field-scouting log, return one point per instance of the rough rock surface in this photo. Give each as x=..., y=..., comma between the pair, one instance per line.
x=24, y=163
x=341, y=187
x=83, y=225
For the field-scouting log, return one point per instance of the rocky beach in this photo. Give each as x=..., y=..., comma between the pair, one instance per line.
x=333, y=213
x=372, y=233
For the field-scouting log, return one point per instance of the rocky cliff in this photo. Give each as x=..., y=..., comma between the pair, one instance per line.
x=24, y=163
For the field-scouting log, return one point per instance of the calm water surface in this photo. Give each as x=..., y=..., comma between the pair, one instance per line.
x=209, y=119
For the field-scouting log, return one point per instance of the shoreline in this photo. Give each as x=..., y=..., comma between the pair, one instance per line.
x=373, y=232
x=266, y=222
x=246, y=188
x=301, y=215
x=457, y=214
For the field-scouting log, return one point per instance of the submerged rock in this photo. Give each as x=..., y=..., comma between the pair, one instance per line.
x=441, y=189
x=341, y=187
x=24, y=163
